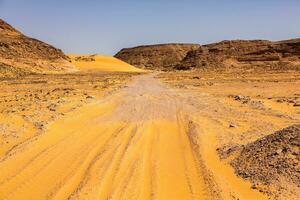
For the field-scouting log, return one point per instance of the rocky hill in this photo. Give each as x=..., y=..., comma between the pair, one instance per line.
x=163, y=56
x=20, y=54
x=245, y=54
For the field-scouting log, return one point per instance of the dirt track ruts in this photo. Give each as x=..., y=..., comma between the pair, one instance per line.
x=143, y=142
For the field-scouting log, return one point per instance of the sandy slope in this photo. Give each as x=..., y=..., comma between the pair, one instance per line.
x=102, y=63
x=144, y=142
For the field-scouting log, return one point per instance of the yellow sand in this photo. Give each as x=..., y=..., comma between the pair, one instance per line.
x=223, y=174
x=103, y=63
x=134, y=144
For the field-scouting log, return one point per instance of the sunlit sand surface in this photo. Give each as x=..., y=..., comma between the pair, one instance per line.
x=101, y=63
x=145, y=141
x=150, y=138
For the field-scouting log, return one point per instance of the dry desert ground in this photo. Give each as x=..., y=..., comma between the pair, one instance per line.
x=145, y=135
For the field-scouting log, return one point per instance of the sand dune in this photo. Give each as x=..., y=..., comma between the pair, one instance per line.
x=101, y=63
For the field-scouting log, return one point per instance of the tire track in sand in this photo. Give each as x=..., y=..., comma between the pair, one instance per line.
x=135, y=144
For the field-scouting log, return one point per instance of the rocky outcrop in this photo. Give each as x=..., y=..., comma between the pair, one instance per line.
x=28, y=55
x=244, y=54
x=163, y=56
x=6, y=29
x=7, y=71
x=271, y=157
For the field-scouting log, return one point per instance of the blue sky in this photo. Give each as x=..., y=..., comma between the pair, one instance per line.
x=91, y=26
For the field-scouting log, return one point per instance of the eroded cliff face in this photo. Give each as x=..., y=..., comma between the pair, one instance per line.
x=19, y=53
x=246, y=54
x=163, y=56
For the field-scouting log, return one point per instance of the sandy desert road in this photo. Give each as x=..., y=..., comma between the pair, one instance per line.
x=144, y=142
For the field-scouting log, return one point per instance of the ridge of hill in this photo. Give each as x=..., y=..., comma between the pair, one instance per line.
x=20, y=54
x=156, y=56
x=244, y=54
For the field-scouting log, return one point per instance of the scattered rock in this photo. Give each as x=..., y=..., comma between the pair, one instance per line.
x=52, y=107
x=232, y=125
x=90, y=97
x=226, y=151
x=89, y=58
x=256, y=104
x=243, y=99
x=280, y=100
x=39, y=125
x=271, y=157
x=297, y=104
